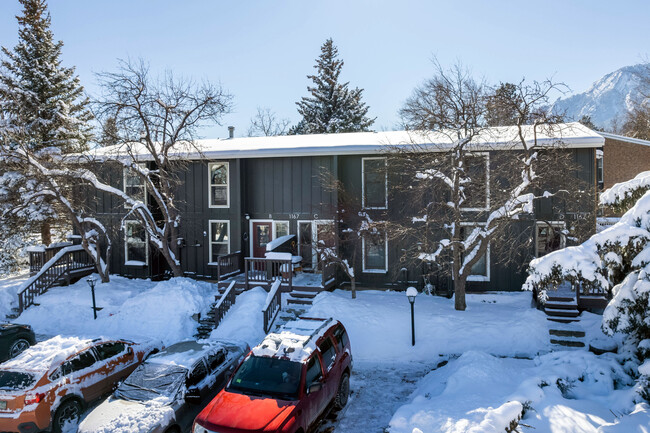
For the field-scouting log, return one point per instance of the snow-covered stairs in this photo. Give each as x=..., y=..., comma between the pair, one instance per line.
x=564, y=322
x=206, y=323
x=305, y=298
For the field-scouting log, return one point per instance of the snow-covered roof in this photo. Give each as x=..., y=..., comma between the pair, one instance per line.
x=573, y=135
x=296, y=340
x=624, y=138
x=43, y=356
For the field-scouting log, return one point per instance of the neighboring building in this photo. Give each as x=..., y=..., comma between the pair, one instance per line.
x=622, y=159
x=238, y=194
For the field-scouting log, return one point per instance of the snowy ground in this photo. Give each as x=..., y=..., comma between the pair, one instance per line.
x=497, y=352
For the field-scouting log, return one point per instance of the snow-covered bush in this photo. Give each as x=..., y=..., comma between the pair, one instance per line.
x=624, y=195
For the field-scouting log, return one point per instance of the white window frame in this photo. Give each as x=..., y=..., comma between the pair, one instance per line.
x=210, y=236
x=487, y=183
x=273, y=228
x=486, y=277
x=363, y=256
x=125, y=171
x=363, y=182
x=210, y=184
x=126, y=243
x=554, y=224
x=600, y=171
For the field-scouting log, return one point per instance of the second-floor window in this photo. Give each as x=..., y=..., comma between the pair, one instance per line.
x=219, y=187
x=374, y=183
x=477, y=189
x=134, y=185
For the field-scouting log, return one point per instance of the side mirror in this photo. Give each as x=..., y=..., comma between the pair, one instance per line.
x=193, y=396
x=314, y=387
x=129, y=352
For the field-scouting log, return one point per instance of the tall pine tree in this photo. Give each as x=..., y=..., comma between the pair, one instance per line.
x=42, y=103
x=332, y=106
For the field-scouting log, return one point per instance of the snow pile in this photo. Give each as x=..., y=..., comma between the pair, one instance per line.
x=42, y=356
x=133, y=309
x=244, y=320
x=379, y=325
x=9, y=289
x=559, y=392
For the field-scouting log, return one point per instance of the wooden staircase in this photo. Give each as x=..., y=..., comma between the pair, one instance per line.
x=223, y=300
x=51, y=267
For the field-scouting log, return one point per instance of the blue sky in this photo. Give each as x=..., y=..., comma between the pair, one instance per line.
x=261, y=51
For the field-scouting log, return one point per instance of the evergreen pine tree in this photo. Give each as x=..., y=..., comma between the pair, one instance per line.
x=332, y=106
x=42, y=101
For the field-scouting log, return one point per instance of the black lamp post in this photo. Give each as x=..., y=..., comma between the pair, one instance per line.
x=411, y=293
x=91, y=282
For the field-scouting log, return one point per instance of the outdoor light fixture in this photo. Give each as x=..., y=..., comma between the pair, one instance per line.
x=91, y=282
x=411, y=293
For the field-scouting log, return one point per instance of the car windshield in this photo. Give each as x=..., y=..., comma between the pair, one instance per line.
x=16, y=380
x=151, y=381
x=261, y=376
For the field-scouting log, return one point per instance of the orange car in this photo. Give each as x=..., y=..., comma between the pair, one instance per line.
x=48, y=385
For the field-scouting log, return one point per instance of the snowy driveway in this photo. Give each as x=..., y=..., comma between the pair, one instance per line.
x=378, y=389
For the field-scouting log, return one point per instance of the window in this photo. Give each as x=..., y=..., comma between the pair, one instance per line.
x=219, y=239
x=82, y=361
x=134, y=184
x=327, y=352
x=314, y=372
x=481, y=269
x=549, y=237
x=218, y=178
x=199, y=372
x=311, y=234
x=600, y=179
x=341, y=338
x=109, y=350
x=281, y=228
x=375, y=254
x=477, y=192
x=216, y=359
x=135, y=243
x=374, y=183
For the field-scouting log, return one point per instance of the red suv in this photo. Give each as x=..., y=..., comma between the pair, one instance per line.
x=286, y=383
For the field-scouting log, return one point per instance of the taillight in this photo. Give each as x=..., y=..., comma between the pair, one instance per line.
x=34, y=398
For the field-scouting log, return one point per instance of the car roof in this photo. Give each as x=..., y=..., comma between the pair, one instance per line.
x=296, y=340
x=185, y=353
x=43, y=356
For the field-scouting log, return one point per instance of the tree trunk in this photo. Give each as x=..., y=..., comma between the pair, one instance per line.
x=46, y=234
x=459, y=294
x=353, y=287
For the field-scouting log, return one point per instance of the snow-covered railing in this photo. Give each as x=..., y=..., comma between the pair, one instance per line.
x=264, y=271
x=39, y=256
x=66, y=261
x=224, y=304
x=328, y=275
x=228, y=265
x=272, y=305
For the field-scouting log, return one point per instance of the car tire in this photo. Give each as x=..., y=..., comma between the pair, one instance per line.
x=343, y=393
x=69, y=411
x=18, y=347
x=173, y=429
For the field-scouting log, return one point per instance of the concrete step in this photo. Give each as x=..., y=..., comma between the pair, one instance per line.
x=297, y=301
x=566, y=333
x=305, y=295
x=567, y=342
x=561, y=299
x=562, y=305
x=563, y=313
x=563, y=319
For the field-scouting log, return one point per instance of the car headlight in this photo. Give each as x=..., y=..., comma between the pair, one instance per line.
x=200, y=429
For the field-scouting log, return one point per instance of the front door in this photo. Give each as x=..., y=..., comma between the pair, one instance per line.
x=261, y=237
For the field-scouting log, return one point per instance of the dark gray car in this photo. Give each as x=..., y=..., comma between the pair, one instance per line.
x=14, y=339
x=166, y=392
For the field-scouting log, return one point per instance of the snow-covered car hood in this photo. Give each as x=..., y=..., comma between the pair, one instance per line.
x=123, y=416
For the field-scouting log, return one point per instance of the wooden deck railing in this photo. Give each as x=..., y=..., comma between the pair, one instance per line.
x=328, y=274
x=229, y=265
x=272, y=305
x=264, y=271
x=593, y=298
x=224, y=304
x=39, y=256
x=59, y=268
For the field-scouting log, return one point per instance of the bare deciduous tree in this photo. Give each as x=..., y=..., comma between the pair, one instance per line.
x=157, y=122
x=462, y=195
x=265, y=123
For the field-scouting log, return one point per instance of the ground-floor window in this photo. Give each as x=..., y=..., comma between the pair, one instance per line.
x=219, y=239
x=481, y=269
x=375, y=251
x=549, y=237
x=135, y=243
x=281, y=228
x=311, y=234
